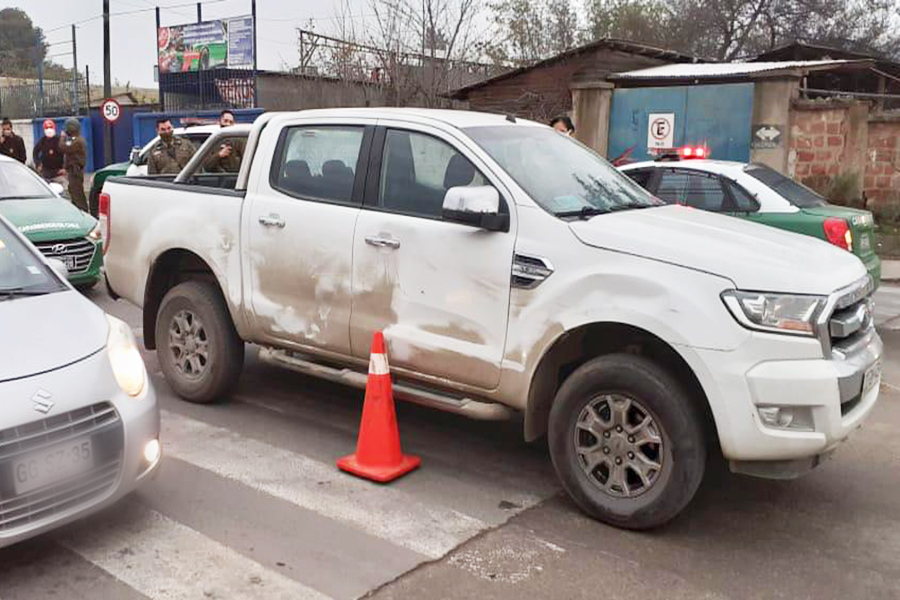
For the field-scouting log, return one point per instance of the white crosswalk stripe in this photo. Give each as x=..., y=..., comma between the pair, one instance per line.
x=165, y=560
x=383, y=512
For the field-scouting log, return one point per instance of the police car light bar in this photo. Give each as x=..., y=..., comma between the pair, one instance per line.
x=693, y=152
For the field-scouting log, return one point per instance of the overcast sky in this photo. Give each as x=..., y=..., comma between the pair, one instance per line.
x=133, y=36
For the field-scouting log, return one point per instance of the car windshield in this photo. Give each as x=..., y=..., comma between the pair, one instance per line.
x=797, y=194
x=22, y=272
x=17, y=182
x=563, y=176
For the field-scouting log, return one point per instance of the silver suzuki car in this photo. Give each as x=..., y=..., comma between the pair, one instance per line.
x=79, y=424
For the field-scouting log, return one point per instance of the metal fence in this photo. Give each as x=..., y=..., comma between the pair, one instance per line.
x=30, y=98
x=212, y=88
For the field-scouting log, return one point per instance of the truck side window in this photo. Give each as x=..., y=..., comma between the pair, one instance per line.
x=319, y=162
x=743, y=200
x=416, y=172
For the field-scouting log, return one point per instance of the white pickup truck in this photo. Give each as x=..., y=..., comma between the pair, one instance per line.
x=512, y=271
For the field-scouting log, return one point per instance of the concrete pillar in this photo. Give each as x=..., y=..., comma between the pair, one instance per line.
x=856, y=143
x=772, y=106
x=591, y=103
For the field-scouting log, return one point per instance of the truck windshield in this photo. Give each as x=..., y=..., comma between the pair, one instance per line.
x=797, y=194
x=17, y=182
x=22, y=272
x=563, y=176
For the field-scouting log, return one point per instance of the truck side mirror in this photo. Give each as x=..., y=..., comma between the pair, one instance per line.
x=59, y=267
x=57, y=188
x=135, y=155
x=478, y=206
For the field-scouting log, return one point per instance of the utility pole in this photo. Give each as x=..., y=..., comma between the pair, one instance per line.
x=107, y=87
x=159, y=75
x=255, y=77
x=75, y=72
x=199, y=12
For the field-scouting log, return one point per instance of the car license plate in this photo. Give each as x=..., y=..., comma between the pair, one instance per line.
x=872, y=377
x=69, y=261
x=865, y=243
x=52, y=465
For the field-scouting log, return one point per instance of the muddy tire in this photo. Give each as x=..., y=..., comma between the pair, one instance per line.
x=197, y=346
x=627, y=442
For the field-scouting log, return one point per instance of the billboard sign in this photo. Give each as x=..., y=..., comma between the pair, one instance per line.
x=206, y=45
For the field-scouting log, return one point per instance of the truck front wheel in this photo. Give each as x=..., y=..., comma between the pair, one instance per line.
x=626, y=441
x=198, y=348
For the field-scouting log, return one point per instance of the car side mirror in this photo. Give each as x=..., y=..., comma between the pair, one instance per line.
x=478, y=206
x=135, y=155
x=57, y=188
x=59, y=267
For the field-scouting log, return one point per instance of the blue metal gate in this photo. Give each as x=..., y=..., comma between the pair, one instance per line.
x=718, y=116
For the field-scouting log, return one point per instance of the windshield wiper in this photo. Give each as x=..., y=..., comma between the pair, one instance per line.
x=585, y=212
x=26, y=197
x=629, y=206
x=19, y=292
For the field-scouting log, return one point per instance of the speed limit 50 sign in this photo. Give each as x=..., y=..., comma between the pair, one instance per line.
x=111, y=110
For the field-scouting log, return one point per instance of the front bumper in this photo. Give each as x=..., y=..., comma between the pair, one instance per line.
x=73, y=387
x=828, y=391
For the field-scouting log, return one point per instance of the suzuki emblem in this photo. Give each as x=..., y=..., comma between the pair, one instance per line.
x=58, y=248
x=42, y=402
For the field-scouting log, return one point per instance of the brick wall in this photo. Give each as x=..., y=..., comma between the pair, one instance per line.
x=882, y=177
x=836, y=137
x=818, y=137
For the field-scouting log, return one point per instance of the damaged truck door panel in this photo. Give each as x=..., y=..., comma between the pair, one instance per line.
x=512, y=270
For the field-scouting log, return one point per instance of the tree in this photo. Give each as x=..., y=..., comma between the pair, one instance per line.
x=21, y=44
x=530, y=30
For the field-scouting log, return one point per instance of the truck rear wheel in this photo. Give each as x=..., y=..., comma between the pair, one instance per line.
x=198, y=348
x=626, y=442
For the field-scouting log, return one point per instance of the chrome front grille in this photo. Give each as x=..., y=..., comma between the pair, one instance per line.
x=101, y=423
x=79, y=251
x=847, y=323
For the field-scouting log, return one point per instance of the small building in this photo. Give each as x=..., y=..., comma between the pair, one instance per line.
x=543, y=90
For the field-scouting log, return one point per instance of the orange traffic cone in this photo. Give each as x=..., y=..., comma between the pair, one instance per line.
x=378, y=455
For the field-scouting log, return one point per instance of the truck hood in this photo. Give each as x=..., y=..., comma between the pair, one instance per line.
x=43, y=333
x=47, y=219
x=754, y=257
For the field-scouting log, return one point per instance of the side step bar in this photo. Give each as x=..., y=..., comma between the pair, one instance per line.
x=482, y=411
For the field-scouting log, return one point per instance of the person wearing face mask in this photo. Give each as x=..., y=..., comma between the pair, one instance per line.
x=10, y=144
x=228, y=157
x=48, y=156
x=74, y=149
x=171, y=153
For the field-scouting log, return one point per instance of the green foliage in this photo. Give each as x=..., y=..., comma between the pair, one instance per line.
x=21, y=44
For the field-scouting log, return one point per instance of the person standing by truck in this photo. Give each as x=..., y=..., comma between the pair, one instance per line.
x=228, y=158
x=11, y=145
x=74, y=149
x=48, y=156
x=171, y=153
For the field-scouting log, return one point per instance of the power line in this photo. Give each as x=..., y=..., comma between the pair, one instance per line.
x=131, y=12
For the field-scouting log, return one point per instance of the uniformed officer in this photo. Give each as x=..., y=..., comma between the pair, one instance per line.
x=74, y=149
x=228, y=158
x=171, y=153
x=48, y=156
x=10, y=144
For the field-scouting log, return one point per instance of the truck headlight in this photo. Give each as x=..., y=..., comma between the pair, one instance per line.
x=95, y=233
x=125, y=358
x=777, y=313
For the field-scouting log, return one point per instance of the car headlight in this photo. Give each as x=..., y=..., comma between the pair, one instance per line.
x=125, y=358
x=777, y=313
x=96, y=233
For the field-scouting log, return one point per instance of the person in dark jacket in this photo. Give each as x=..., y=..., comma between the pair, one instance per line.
x=563, y=124
x=48, y=157
x=11, y=145
x=74, y=149
x=171, y=153
x=230, y=153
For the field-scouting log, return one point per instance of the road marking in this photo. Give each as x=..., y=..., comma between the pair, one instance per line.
x=383, y=512
x=166, y=560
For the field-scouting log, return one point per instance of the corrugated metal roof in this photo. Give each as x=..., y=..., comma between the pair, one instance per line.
x=733, y=70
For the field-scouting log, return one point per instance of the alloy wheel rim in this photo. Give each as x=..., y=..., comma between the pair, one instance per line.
x=619, y=445
x=189, y=345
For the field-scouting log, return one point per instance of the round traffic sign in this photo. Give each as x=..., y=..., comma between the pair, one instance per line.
x=111, y=110
x=660, y=129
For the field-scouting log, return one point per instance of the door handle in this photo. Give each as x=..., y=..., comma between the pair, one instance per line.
x=382, y=242
x=271, y=221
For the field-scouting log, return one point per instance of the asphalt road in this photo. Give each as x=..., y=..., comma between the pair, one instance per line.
x=248, y=504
